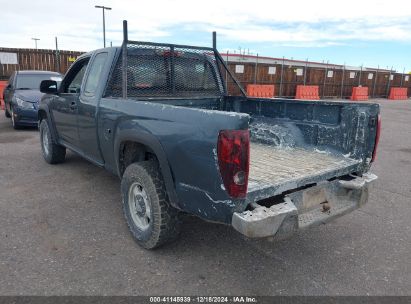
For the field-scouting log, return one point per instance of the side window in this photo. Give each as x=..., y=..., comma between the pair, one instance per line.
x=75, y=78
x=94, y=75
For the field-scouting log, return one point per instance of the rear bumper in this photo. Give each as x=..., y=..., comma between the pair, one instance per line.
x=305, y=208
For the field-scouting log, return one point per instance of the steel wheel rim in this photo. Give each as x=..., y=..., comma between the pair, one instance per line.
x=45, y=140
x=139, y=206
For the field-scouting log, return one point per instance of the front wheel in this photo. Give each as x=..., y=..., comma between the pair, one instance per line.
x=52, y=152
x=150, y=217
x=13, y=121
x=6, y=112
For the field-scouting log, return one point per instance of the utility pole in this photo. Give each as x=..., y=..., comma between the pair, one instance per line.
x=104, y=20
x=35, y=41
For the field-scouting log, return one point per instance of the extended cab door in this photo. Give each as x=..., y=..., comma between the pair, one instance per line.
x=65, y=104
x=88, y=106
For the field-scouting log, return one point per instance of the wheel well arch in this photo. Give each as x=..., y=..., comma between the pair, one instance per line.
x=129, y=149
x=42, y=114
x=132, y=151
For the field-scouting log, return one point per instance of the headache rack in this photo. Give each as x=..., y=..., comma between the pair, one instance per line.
x=150, y=70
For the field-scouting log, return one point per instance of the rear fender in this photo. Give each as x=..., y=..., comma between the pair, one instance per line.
x=150, y=141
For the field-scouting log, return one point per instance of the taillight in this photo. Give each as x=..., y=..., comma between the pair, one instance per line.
x=233, y=151
x=377, y=139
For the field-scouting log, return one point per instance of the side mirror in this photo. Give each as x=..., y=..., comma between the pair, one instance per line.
x=9, y=86
x=48, y=87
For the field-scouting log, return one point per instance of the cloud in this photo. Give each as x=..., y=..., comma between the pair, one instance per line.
x=326, y=33
x=315, y=23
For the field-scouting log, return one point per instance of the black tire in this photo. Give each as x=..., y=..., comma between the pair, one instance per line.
x=13, y=122
x=163, y=225
x=53, y=153
x=6, y=112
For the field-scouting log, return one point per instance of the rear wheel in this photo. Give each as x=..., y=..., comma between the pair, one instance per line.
x=52, y=152
x=6, y=112
x=150, y=217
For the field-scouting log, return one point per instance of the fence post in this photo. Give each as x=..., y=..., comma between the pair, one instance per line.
x=359, y=78
x=342, y=81
x=402, y=77
x=375, y=82
x=34, y=60
x=305, y=71
x=325, y=78
x=281, y=79
x=388, y=84
x=255, y=70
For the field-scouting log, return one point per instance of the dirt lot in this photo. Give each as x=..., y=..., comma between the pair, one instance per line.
x=62, y=232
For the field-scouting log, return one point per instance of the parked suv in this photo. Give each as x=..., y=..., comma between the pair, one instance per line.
x=22, y=94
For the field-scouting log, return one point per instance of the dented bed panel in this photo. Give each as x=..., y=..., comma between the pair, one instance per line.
x=336, y=126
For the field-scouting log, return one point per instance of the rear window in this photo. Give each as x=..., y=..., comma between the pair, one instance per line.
x=156, y=73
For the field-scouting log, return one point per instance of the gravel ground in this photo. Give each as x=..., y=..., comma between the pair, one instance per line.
x=63, y=233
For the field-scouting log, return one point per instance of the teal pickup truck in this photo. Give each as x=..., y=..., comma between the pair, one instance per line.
x=159, y=117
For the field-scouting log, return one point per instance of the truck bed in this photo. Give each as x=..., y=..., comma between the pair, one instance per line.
x=280, y=169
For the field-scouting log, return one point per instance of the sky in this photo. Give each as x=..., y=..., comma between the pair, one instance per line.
x=354, y=32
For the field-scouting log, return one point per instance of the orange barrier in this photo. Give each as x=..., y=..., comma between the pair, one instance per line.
x=359, y=93
x=260, y=90
x=307, y=92
x=398, y=94
x=3, y=84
